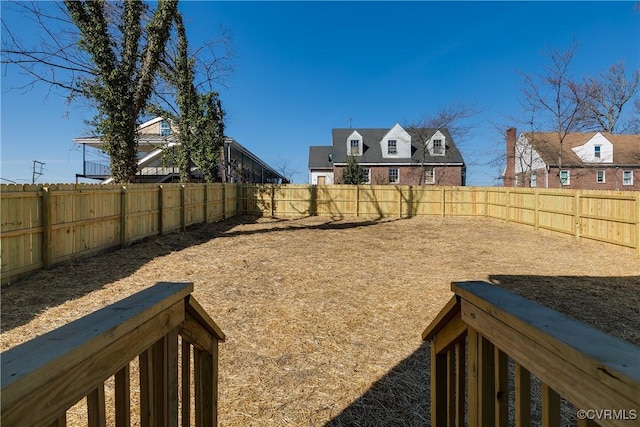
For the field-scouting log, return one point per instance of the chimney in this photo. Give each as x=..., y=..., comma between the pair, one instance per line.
x=509, y=177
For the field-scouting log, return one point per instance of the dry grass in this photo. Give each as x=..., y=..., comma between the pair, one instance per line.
x=323, y=318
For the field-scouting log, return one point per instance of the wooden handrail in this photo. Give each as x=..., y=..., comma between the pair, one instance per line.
x=44, y=377
x=581, y=364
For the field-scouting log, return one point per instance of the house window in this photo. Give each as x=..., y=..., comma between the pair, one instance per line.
x=429, y=176
x=627, y=177
x=367, y=175
x=597, y=151
x=165, y=129
x=438, y=148
x=533, y=180
x=600, y=177
x=565, y=177
x=394, y=176
x=355, y=147
x=392, y=147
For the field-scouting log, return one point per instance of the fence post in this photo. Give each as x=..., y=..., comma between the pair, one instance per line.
x=443, y=194
x=506, y=205
x=357, y=200
x=47, y=220
x=399, y=201
x=577, y=214
x=224, y=201
x=123, y=218
x=536, y=211
x=273, y=200
x=160, y=208
x=638, y=224
x=206, y=203
x=486, y=203
x=183, y=208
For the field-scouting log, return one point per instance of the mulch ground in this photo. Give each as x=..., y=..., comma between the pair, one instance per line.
x=323, y=318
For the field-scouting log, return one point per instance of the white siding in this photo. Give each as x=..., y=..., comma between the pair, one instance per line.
x=403, y=143
x=527, y=159
x=354, y=136
x=313, y=177
x=438, y=135
x=586, y=152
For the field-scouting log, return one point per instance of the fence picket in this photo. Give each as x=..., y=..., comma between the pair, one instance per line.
x=67, y=223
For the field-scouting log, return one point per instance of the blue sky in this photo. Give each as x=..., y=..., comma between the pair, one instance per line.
x=303, y=68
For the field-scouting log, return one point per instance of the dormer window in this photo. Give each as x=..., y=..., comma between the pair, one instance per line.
x=438, y=147
x=392, y=146
x=165, y=129
x=354, y=144
x=597, y=151
x=354, y=147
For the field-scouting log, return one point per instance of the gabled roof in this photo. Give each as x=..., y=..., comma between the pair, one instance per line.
x=146, y=141
x=150, y=122
x=319, y=157
x=626, y=148
x=372, y=151
x=154, y=143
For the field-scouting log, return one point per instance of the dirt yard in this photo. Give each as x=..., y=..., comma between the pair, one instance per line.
x=323, y=318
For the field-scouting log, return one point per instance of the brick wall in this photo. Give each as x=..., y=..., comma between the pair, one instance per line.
x=584, y=179
x=510, y=168
x=410, y=175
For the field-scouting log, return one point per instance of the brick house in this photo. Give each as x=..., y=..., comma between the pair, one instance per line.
x=584, y=160
x=417, y=156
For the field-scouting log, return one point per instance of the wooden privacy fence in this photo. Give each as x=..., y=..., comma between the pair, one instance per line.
x=483, y=326
x=612, y=217
x=46, y=225
x=164, y=327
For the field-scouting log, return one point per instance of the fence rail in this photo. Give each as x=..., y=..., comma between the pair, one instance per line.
x=483, y=326
x=45, y=225
x=611, y=217
x=162, y=327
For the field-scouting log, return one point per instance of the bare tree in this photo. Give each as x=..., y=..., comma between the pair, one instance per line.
x=553, y=98
x=287, y=169
x=634, y=122
x=605, y=96
x=559, y=103
x=102, y=51
x=452, y=117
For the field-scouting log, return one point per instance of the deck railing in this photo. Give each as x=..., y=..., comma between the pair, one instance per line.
x=483, y=326
x=44, y=377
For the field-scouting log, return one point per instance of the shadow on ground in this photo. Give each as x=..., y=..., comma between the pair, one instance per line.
x=400, y=398
x=611, y=304
x=27, y=297
x=328, y=224
x=73, y=279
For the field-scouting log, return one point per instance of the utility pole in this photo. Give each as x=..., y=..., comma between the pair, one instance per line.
x=37, y=171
